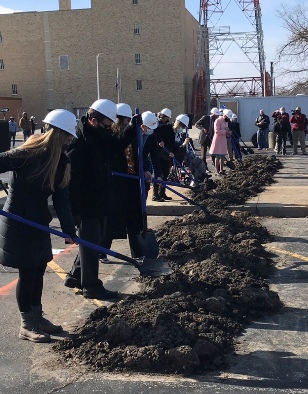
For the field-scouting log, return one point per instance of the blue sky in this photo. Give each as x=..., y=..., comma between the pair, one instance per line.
x=234, y=63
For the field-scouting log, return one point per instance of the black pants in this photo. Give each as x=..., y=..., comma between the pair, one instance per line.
x=29, y=288
x=281, y=141
x=160, y=190
x=13, y=137
x=85, y=266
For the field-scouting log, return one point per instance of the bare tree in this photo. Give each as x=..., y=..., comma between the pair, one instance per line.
x=294, y=50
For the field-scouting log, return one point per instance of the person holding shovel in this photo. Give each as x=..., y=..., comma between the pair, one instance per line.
x=90, y=191
x=39, y=168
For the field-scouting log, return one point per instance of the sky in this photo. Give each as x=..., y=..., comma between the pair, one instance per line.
x=233, y=63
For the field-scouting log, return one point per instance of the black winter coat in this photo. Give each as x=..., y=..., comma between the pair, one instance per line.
x=166, y=134
x=23, y=246
x=91, y=169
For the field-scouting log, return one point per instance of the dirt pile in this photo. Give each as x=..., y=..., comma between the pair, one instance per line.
x=186, y=322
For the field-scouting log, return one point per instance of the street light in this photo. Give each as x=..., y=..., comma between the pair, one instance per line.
x=97, y=75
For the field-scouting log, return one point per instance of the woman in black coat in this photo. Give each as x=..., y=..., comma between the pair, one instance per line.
x=39, y=168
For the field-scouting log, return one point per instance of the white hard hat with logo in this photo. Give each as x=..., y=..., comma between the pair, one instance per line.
x=149, y=119
x=105, y=107
x=62, y=119
x=166, y=112
x=227, y=112
x=215, y=111
x=183, y=118
x=124, y=110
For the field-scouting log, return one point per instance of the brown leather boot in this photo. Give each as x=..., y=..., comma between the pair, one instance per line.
x=44, y=324
x=30, y=330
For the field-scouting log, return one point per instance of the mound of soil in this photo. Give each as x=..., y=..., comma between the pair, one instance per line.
x=186, y=322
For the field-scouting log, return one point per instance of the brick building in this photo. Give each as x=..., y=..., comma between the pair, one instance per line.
x=57, y=59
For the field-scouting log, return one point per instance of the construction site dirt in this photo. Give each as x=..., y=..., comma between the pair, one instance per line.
x=186, y=322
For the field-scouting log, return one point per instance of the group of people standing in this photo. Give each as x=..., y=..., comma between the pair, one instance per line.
x=220, y=133
x=285, y=127
x=75, y=165
x=27, y=125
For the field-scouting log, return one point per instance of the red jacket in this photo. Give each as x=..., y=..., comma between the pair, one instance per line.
x=298, y=122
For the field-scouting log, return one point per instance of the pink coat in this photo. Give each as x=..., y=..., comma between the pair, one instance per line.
x=219, y=143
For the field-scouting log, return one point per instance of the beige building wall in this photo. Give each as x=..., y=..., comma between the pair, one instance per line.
x=166, y=45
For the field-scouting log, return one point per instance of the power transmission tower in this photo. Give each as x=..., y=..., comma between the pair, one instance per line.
x=212, y=41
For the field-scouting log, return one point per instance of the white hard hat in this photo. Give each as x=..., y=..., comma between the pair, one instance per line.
x=166, y=112
x=183, y=119
x=149, y=120
x=105, y=107
x=234, y=116
x=63, y=119
x=32, y=117
x=215, y=111
x=124, y=110
x=227, y=112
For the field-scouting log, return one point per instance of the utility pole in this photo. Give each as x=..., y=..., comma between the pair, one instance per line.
x=97, y=75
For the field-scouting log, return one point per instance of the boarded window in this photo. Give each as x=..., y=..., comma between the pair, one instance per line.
x=63, y=63
x=138, y=85
x=14, y=89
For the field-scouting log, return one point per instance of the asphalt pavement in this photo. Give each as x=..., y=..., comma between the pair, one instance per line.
x=271, y=356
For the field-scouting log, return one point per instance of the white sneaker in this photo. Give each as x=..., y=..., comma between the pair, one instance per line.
x=105, y=261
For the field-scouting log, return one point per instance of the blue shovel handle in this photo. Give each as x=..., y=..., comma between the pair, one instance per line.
x=75, y=239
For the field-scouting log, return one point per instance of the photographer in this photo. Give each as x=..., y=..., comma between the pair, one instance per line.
x=298, y=124
x=262, y=122
x=281, y=129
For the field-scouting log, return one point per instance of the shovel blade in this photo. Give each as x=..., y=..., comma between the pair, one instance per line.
x=154, y=267
x=244, y=151
x=147, y=244
x=251, y=151
x=230, y=165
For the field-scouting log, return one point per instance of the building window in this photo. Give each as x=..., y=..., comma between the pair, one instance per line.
x=14, y=89
x=63, y=63
x=137, y=58
x=1, y=64
x=134, y=1
x=0, y=36
x=138, y=85
x=136, y=28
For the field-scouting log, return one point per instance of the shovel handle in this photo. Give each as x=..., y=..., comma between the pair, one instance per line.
x=75, y=239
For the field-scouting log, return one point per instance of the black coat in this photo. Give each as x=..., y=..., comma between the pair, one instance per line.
x=91, y=169
x=166, y=134
x=22, y=245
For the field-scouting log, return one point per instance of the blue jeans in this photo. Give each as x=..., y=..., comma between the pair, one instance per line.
x=262, y=138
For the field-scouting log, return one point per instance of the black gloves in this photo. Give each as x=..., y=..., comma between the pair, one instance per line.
x=136, y=120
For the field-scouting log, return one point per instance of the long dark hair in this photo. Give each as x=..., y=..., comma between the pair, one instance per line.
x=50, y=145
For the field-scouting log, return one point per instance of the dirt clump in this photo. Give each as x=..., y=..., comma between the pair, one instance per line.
x=186, y=322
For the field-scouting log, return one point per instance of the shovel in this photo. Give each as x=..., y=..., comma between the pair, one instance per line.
x=193, y=188
x=237, y=152
x=146, y=266
x=192, y=179
x=202, y=207
x=146, y=240
x=249, y=150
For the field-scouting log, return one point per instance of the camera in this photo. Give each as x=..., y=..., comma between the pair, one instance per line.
x=293, y=112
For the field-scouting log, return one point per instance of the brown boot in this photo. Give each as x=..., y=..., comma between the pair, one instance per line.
x=44, y=324
x=30, y=330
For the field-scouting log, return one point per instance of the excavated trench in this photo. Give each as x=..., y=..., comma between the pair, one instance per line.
x=186, y=322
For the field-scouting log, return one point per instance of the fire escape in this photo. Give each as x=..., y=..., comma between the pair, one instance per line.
x=212, y=43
